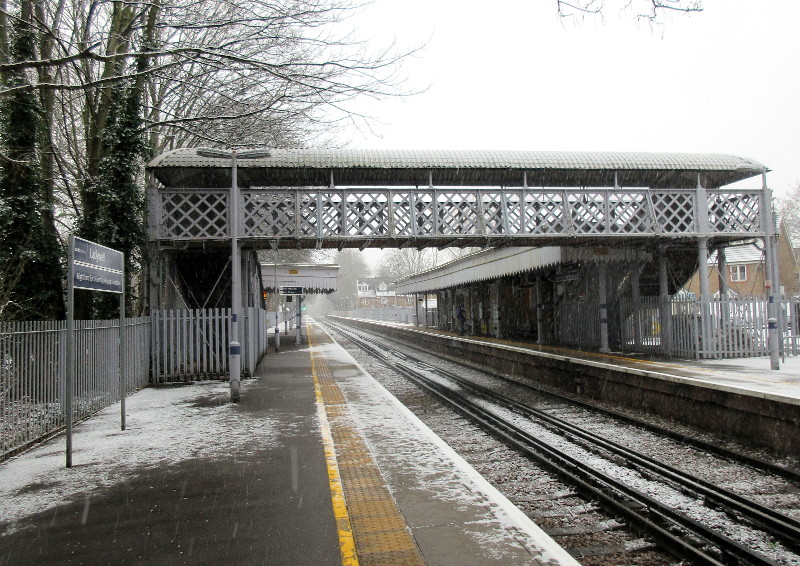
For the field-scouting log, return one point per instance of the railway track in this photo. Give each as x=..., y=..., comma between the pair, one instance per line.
x=689, y=517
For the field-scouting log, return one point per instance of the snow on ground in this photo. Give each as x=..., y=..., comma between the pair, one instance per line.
x=164, y=425
x=754, y=374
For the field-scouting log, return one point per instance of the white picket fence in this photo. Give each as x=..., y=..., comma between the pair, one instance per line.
x=193, y=343
x=169, y=345
x=737, y=327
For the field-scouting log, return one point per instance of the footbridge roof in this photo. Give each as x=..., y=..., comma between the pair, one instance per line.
x=350, y=167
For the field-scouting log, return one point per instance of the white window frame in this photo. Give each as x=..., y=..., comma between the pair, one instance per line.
x=738, y=273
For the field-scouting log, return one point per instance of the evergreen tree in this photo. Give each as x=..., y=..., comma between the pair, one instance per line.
x=30, y=254
x=116, y=220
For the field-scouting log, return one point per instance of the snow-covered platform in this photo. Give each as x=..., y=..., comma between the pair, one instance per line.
x=754, y=375
x=318, y=464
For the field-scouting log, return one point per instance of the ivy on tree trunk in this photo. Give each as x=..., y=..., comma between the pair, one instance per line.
x=30, y=250
x=115, y=219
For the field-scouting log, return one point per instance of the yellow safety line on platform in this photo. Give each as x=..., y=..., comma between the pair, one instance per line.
x=371, y=525
x=347, y=546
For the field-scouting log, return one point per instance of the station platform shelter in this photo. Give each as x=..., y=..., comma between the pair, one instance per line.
x=603, y=298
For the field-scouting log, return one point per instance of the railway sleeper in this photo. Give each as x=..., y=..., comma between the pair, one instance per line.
x=638, y=545
x=608, y=525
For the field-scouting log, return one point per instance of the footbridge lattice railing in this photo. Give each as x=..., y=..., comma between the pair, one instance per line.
x=374, y=214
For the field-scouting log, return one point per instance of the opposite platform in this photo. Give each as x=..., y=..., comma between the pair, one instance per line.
x=742, y=399
x=197, y=480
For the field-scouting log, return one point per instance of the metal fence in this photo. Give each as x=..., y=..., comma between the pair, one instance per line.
x=737, y=327
x=193, y=343
x=32, y=363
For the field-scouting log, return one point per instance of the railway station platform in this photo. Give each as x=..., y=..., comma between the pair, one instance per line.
x=317, y=464
x=751, y=375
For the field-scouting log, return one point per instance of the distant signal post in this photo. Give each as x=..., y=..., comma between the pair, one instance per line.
x=291, y=291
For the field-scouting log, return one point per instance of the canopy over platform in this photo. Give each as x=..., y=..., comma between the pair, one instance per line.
x=184, y=168
x=488, y=265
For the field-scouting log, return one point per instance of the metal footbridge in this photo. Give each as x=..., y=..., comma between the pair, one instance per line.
x=303, y=198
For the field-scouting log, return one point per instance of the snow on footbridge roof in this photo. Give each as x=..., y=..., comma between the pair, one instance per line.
x=186, y=168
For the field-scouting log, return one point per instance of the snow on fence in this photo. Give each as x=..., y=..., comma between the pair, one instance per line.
x=193, y=343
x=32, y=362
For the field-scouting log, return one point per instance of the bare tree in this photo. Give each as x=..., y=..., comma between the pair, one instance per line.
x=650, y=10
x=788, y=209
x=397, y=264
x=352, y=267
x=11, y=272
x=219, y=72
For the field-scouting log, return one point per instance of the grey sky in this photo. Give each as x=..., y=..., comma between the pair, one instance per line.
x=511, y=75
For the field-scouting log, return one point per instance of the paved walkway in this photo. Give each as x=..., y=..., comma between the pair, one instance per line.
x=215, y=484
x=198, y=480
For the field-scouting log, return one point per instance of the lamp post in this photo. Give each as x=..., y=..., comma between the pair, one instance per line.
x=235, y=347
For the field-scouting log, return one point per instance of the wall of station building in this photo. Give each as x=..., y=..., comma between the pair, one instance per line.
x=504, y=308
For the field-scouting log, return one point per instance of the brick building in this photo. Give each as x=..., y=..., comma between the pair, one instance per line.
x=744, y=271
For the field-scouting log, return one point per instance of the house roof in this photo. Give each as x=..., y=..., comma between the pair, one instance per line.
x=739, y=254
x=349, y=167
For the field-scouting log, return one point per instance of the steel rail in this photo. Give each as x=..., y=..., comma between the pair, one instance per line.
x=764, y=517
x=750, y=461
x=592, y=483
x=753, y=462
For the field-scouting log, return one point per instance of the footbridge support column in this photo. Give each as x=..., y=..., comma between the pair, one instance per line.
x=666, y=303
x=771, y=269
x=602, y=295
x=705, y=297
x=539, y=311
x=701, y=205
x=637, y=300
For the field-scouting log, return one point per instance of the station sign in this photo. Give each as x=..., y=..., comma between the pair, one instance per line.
x=290, y=290
x=96, y=267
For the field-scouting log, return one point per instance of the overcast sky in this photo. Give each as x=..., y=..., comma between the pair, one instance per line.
x=508, y=74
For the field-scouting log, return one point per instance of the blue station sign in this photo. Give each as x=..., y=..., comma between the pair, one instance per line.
x=96, y=267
